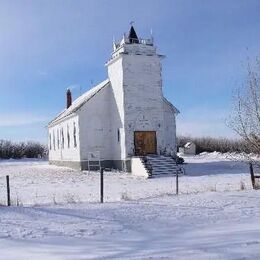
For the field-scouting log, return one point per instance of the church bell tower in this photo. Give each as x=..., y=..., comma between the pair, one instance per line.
x=134, y=70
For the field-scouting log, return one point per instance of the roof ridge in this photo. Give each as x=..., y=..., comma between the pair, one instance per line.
x=176, y=110
x=80, y=101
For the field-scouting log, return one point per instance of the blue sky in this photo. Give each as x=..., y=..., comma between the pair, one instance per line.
x=47, y=46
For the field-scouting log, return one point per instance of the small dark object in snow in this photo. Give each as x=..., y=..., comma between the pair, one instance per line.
x=179, y=160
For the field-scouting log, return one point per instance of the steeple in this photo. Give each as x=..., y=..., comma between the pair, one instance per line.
x=132, y=36
x=132, y=44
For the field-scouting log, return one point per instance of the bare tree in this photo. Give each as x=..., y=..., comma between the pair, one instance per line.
x=245, y=120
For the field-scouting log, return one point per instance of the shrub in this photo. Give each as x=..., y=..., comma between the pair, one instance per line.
x=20, y=150
x=209, y=144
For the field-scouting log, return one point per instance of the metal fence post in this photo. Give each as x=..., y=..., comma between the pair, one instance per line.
x=101, y=185
x=251, y=169
x=8, y=191
x=177, y=183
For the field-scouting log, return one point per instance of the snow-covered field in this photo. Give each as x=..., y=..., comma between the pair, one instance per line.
x=216, y=216
x=38, y=183
x=198, y=226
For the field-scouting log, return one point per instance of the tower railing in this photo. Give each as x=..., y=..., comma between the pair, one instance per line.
x=140, y=41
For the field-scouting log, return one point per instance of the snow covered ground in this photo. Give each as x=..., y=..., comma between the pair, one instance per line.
x=25, y=161
x=216, y=216
x=38, y=183
x=198, y=226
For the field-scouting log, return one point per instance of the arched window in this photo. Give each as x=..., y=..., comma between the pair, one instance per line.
x=75, y=134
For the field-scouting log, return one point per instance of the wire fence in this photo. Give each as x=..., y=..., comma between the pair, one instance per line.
x=49, y=185
x=100, y=186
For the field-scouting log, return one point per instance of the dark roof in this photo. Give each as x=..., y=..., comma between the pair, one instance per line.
x=133, y=36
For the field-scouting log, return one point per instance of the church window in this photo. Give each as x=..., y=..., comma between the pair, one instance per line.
x=75, y=134
x=58, y=139
x=54, y=141
x=68, y=136
x=62, y=139
x=118, y=135
x=50, y=141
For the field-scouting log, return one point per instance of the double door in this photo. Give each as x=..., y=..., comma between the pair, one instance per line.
x=145, y=142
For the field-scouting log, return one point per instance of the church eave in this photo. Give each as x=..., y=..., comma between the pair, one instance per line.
x=58, y=121
x=71, y=111
x=173, y=108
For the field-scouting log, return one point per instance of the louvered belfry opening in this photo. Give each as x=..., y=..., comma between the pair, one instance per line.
x=133, y=36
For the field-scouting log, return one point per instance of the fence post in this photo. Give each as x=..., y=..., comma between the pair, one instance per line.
x=101, y=185
x=8, y=191
x=252, y=174
x=177, y=182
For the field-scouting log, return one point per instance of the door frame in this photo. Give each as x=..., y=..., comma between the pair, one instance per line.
x=145, y=132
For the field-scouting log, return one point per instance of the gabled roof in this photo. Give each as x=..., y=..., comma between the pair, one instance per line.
x=80, y=101
x=187, y=145
x=173, y=108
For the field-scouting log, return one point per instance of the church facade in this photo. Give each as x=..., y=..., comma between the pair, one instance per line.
x=123, y=117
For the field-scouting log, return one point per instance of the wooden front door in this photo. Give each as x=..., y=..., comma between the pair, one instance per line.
x=145, y=142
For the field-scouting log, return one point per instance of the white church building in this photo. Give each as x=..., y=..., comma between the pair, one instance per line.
x=124, y=117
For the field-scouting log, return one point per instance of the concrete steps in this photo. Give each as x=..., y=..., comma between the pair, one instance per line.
x=159, y=165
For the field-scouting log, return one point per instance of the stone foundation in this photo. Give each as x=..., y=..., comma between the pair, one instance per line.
x=83, y=165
